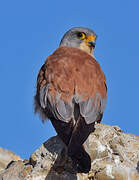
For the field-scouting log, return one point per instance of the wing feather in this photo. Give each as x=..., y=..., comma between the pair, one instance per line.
x=70, y=75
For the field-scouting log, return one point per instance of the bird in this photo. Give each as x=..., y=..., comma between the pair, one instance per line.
x=71, y=92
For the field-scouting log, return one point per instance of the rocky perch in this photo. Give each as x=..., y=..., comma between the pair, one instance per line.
x=114, y=155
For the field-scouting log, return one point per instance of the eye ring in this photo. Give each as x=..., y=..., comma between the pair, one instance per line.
x=81, y=35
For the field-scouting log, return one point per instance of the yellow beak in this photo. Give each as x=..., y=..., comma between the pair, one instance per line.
x=91, y=41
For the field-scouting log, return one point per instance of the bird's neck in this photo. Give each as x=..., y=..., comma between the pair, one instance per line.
x=86, y=48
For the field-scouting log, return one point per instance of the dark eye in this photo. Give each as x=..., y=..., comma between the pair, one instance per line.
x=81, y=35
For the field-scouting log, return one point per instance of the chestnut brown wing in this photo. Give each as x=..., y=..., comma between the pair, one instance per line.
x=71, y=76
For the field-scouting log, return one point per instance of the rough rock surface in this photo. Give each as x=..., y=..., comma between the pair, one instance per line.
x=6, y=157
x=114, y=154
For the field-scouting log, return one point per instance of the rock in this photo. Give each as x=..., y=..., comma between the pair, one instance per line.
x=6, y=157
x=51, y=159
x=114, y=155
x=17, y=170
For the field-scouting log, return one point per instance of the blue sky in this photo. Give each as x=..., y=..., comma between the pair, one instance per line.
x=31, y=30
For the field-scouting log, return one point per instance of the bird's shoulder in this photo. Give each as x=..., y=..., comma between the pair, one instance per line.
x=69, y=57
x=67, y=63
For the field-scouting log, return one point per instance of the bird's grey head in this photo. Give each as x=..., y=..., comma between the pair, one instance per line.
x=79, y=37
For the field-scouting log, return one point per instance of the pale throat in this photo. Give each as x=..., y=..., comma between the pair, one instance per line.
x=86, y=48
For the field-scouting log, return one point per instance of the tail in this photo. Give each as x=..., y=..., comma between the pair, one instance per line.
x=81, y=160
x=76, y=150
